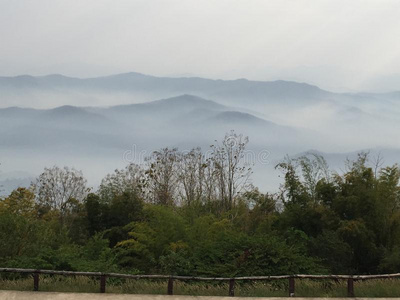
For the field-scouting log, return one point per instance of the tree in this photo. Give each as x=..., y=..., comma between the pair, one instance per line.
x=292, y=191
x=231, y=170
x=313, y=168
x=131, y=180
x=262, y=210
x=21, y=236
x=150, y=239
x=60, y=189
x=191, y=175
x=20, y=202
x=388, y=182
x=162, y=179
x=121, y=210
x=125, y=208
x=302, y=176
x=94, y=214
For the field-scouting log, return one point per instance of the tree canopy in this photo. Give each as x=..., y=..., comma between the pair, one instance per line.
x=189, y=214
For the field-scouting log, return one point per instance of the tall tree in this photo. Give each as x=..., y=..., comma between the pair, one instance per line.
x=231, y=169
x=191, y=175
x=60, y=188
x=162, y=180
x=128, y=180
x=20, y=202
x=302, y=176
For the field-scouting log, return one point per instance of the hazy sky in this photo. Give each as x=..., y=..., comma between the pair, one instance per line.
x=338, y=44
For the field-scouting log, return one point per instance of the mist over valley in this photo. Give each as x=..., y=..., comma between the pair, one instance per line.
x=103, y=123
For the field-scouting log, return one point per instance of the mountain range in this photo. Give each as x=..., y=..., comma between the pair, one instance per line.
x=92, y=123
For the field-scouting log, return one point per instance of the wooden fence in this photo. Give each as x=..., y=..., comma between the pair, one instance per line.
x=170, y=286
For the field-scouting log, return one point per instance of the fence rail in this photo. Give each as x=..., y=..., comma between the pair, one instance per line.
x=170, y=286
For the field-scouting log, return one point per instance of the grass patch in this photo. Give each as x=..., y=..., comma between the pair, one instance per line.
x=278, y=288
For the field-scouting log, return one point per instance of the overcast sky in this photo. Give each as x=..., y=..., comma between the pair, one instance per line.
x=338, y=44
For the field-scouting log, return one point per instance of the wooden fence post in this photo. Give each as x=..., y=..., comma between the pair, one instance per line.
x=232, y=287
x=36, y=281
x=291, y=286
x=170, y=290
x=350, y=287
x=103, y=283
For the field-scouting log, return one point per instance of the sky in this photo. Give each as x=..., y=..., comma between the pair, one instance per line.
x=338, y=45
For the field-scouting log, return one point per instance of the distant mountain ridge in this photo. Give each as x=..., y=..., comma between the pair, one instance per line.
x=120, y=123
x=122, y=89
x=133, y=80
x=90, y=123
x=152, y=87
x=181, y=102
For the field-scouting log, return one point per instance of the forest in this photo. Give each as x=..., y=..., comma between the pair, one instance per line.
x=191, y=213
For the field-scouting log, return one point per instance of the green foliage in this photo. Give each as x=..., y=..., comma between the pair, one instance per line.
x=391, y=261
x=141, y=222
x=151, y=238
